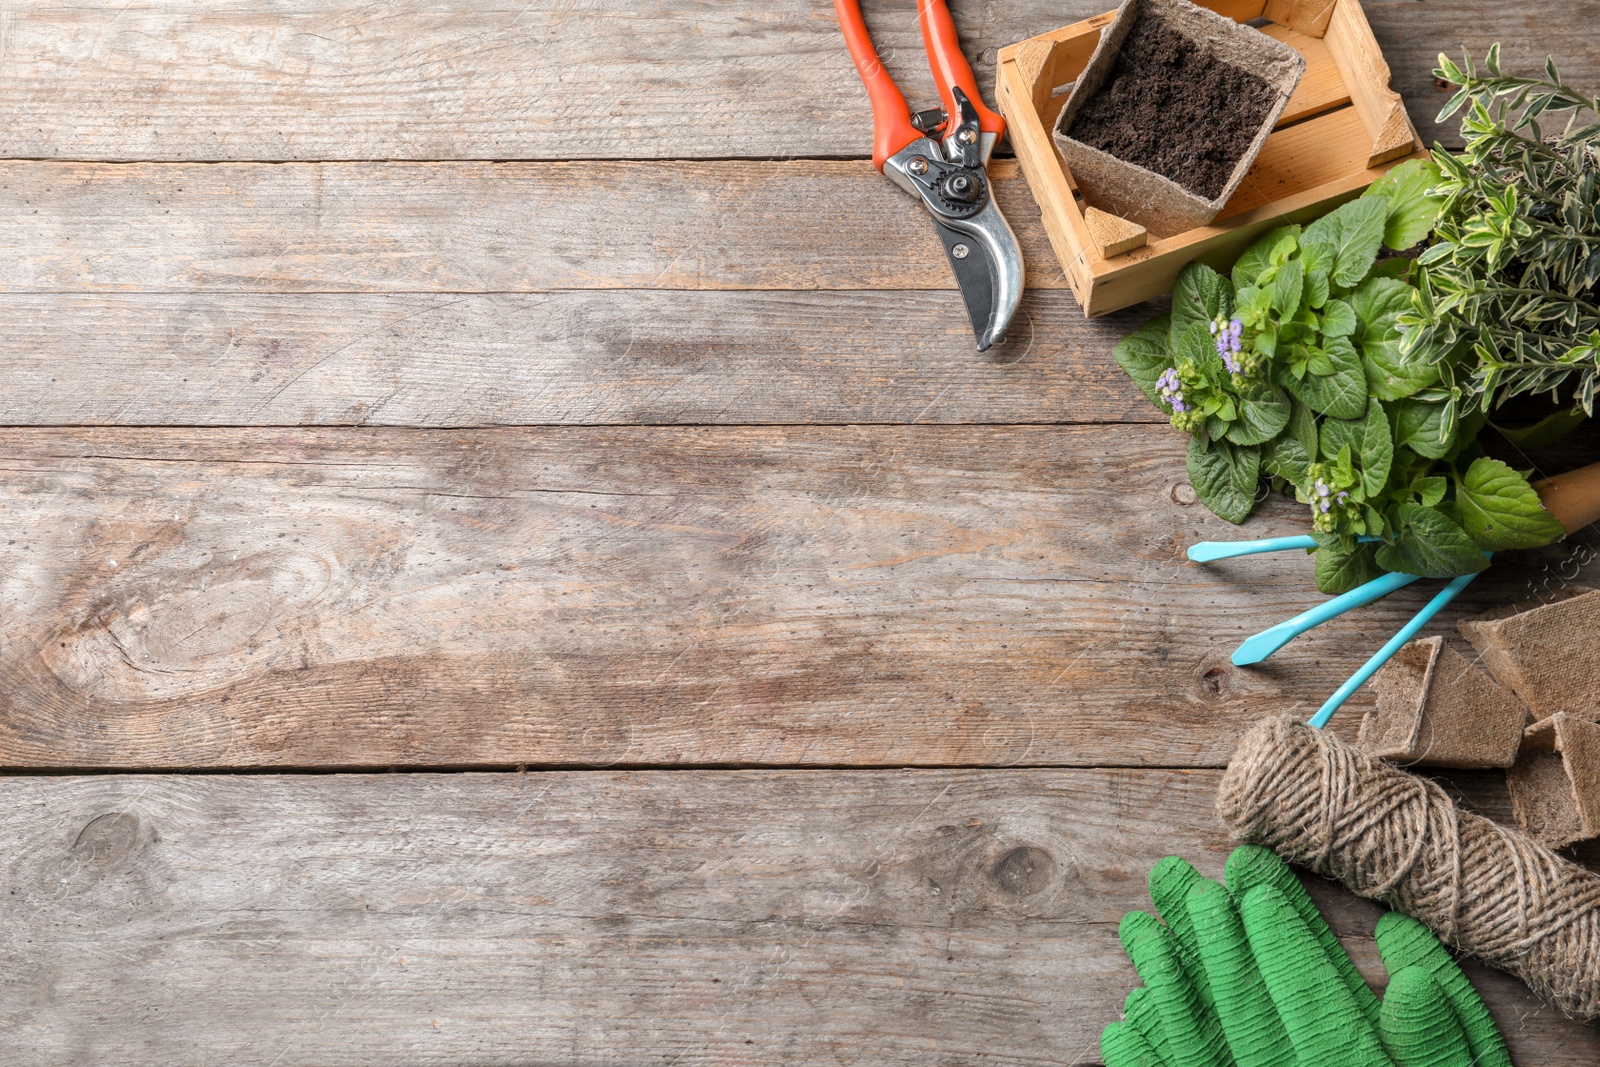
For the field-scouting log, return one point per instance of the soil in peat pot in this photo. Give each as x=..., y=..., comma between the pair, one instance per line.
x=1171, y=107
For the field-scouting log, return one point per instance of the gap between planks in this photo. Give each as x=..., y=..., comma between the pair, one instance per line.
x=643, y=596
x=218, y=80
x=398, y=227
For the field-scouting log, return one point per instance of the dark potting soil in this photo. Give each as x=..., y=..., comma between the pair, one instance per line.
x=1171, y=107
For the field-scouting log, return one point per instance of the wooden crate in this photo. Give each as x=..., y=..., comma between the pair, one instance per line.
x=1343, y=128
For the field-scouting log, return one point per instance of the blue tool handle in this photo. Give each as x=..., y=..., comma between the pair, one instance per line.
x=1207, y=551
x=1210, y=551
x=1407, y=632
x=1259, y=646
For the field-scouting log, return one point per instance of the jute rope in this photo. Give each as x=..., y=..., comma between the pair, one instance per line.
x=1397, y=838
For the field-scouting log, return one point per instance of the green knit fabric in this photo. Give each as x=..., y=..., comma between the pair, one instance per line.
x=1404, y=942
x=1249, y=974
x=1418, y=1026
x=1255, y=1033
x=1325, y=1023
x=1252, y=865
x=1170, y=882
x=1194, y=1039
x=1140, y=1013
x=1123, y=1046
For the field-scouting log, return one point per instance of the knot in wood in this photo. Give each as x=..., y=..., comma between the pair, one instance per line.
x=1023, y=871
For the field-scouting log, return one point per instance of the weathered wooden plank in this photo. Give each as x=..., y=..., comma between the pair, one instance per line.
x=569, y=596
x=923, y=917
x=590, y=357
x=337, y=79
x=482, y=227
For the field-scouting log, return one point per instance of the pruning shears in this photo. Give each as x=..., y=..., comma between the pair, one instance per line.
x=940, y=157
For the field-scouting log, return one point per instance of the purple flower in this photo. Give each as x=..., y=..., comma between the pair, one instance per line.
x=1172, y=390
x=1228, y=337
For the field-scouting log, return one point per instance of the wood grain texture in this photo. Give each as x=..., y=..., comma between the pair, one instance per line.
x=666, y=350
x=343, y=79
x=772, y=596
x=482, y=227
x=912, y=917
x=589, y=357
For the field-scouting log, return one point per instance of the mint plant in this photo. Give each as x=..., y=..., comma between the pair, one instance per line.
x=1507, y=291
x=1294, y=368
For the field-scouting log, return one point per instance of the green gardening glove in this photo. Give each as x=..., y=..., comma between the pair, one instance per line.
x=1250, y=974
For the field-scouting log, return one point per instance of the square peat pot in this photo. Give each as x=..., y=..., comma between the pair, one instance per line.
x=1342, y=129
x=1146, y=197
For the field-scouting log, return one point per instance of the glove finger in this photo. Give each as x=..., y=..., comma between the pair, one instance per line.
x=1253, y=865
x=1194, y=1039
x=1123, y=1046
x=1404, y=942
x=1245, y=1011
x=1170, y=883
x=1141, y=1015
x=1324, y=1021
x=1417, y=1024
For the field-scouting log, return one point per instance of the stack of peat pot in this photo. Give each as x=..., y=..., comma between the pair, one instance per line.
x=1536, y=712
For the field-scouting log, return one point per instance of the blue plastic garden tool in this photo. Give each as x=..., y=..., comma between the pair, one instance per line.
x=1258, y=647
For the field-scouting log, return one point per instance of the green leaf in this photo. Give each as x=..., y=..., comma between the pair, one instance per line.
x=1500, y=510
x=1260, y=420
x=1398, y=267
x=1145, y=357
x=1547, y=431
x=1338, y=319
x=1369, y=443
x=1199, y=295
x=1195, y=345
x=1316, y=287
x=1251, y=306
x=1286, y=288
x=1431, y=490
x=1255, y=260
x=1340, y=569
x=1429, y=544
x=1391, y=373
x=1287, y=458
x=1342, y=394
x=1303, y=425
x=1351, y=234
x=1412, y=210
x=1466, y=444
x=1420, y=426
x=1317, y=255
x=1224, y=476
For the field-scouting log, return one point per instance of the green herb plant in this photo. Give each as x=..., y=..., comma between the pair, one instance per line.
x=1293, y=370
x=1507, y=290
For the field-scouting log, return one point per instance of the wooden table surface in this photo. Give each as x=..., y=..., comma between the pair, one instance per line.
x=508, y=555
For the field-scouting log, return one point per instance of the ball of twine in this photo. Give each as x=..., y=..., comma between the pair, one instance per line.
x=1399, y=839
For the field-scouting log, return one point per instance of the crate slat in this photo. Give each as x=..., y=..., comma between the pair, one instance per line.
x=1343, y=128
x=1321, y=87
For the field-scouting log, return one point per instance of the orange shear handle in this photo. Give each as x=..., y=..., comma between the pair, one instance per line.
x=891, y=118
x=949, y=64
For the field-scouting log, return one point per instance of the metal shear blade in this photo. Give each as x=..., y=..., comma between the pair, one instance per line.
x=939, y=156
